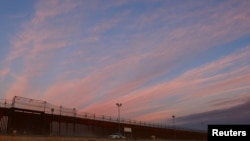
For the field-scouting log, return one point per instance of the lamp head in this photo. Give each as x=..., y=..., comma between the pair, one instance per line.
x=119, y=104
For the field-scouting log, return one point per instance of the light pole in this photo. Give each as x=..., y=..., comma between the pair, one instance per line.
x=173, y=116
x=118, y=105
x=202, y=131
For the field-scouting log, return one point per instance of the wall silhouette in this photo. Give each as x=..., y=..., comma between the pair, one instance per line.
x=24, y=116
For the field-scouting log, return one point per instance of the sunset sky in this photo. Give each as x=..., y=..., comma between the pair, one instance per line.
x=188, y=58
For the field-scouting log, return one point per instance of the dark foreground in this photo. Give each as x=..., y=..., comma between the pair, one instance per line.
x=37, y=138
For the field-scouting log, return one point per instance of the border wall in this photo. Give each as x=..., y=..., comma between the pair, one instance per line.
x=29, y=117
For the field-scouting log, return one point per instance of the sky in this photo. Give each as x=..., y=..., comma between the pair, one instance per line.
x=159, y=58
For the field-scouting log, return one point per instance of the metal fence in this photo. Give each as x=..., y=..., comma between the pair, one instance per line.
x=43, y=106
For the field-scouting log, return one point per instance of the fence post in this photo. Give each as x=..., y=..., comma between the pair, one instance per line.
x=60, y=120
x=74, y=122
x=44, y=106
x=13, y=101
x=5, y=103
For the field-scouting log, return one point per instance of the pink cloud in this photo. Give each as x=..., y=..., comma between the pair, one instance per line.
x=71, y=94
x=98, y=83
x=35, y=45
x=42, y=33
x=114, y=80
x=104, y=26
x=230, y=102
x=51, y=9
x=18, y=88
x=4, y=72
x=158, y=116
x=207, y=32
x=192, y=84
x=230, y=84
x=90, y=85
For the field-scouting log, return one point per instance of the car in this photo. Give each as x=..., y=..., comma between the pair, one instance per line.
x=116, y=135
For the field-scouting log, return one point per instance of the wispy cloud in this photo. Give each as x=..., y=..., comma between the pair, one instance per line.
x=157, y=62
x=199, y=83
x=227, y=102
x=35, y=43
x=4, y=72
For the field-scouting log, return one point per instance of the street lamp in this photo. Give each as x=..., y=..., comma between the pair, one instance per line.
x=118, y=105
x=173, y=116
x=202, y=131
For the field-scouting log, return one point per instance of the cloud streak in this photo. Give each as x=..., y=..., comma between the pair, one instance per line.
x=156, y=60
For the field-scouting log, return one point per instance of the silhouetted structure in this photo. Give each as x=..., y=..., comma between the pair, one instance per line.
x=34, y=117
